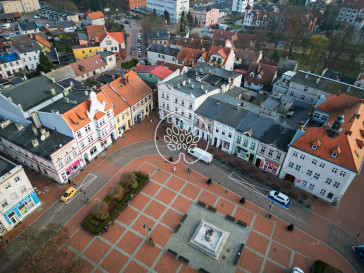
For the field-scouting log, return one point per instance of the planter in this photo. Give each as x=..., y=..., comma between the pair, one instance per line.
x=242, y=200
x=209, y=181
x=290, y=227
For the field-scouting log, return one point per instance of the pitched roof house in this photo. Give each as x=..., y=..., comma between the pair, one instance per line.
x=93, y=32
x=93, y=18
x=190, y=57
x=259, y=75
x=221, y=57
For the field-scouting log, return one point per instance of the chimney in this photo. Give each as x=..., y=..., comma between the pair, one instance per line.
x=318, y=80
x=53, y=80
x=201, y=86
x=183, y=82
x=237, y=107
x=34, y=130
x=5, y=123
x=301, y=127
x=20, y=127
x=35, y=142
x=198, y=79
x=338, y=93
x=188, y=80
x=306, y=76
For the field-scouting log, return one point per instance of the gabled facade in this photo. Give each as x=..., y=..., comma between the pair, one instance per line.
x=28, y=27
x=222, y=57
x=28, y=52
x=93, y=18
x=9, y=65
x=205, y=16
x=243, y=58
x=42, y=42
x=240, y=5
x=259, y=75
x=352, y=12
x=112, y=42
x=191, y=57
x=84, y=51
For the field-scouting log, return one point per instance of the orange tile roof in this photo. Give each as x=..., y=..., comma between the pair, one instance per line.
x=337, y=103
x=77, y=117
x=131, y=87
x=190, y=55
x=266, y=71
x=88, y=64
x=348, y=145
x=43, y=41
x=94, y=31
x=99, y=115
x=119, y=103
x=224, y=52
x=117, y=36
x=95, y=15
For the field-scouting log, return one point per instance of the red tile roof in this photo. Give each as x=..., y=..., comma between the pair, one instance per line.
x=348, y=145
x=43, y=41
x=191, y=55
x=170, y=66
x=333, y=104
x=95, y=15
x=88, y=64
x=119, y=104
x=224, y=35
x=99, y=115
x=159, y=71
x=224, y=52
x=131, y=87
x=117, y=36
x=266, y=71
x=94, y=31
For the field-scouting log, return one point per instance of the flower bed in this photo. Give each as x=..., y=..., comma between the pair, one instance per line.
x=115, y=204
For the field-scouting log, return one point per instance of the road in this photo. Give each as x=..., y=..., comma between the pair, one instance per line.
x=61, y=213
x=132, y=30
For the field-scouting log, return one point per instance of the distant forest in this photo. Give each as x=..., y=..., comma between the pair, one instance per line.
x=83, y=5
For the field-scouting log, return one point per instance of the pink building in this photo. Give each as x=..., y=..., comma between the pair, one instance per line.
x=205, y=16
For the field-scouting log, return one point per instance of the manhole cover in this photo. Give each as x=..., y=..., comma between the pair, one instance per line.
x=227, y=250
x=223, y=257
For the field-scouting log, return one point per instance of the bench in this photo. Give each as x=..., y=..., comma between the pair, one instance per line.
x=177, y=228
x=183, y=259
x=230, y=217
x=239, y=222
x=238, y=255
x=203, y=271
x=293, y=195
x=201, y=203
x=211, y=208
x=275, y=187
x=173, y=253
x=183, y=218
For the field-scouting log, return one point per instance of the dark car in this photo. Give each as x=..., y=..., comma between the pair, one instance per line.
x=127, y=22
x=359, y=250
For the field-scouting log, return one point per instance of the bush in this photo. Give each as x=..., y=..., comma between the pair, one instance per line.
x=100, y=210
x=116, y=191
x=129, y=64
x=322, y=267
x=128, y=178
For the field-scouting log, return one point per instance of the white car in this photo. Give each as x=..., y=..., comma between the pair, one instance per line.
x=297, y=270
x=280, y=197
x=139, y=36
x=36, y=17
x=6, y=26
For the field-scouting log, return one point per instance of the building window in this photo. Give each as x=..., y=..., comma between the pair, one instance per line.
x=304, y=183
x=305, y=89
x=14, y=196
x=4, y=204
x=295, y=154
x=60, y=164
x=309, y=173
x=252, y=146
x=270, y=153
x=87, y=128
x=322, y=192
x=108, y=114
x=93, y=150
x=17, y=179
x=316, y=176
x=334, y=170
x=342, y=173
x=223, y=132
x=238, y=140
x=90, y=139
x=328, y=181
x=290, y=164
x=298, y=167
x=23, y=190
x=82, y=145
x=229, y=135
x=245, y=142
x=302, y=157
x=336, y=184
x=79, y=134
x=190, y=116
x=311, y=186
x=262, y=150
x=278, y=156
x=322, y=165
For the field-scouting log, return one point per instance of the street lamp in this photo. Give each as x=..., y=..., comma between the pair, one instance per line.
x=147, y=229
x=269, y=215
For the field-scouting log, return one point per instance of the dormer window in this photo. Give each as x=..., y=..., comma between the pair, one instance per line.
x=259, y=76
x=334, y=155
x=252, y=74
x=314, y=147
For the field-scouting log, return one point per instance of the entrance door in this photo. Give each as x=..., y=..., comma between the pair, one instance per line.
x=257, y=162
x=13, y=218
x=251, y=157
x=290, y=178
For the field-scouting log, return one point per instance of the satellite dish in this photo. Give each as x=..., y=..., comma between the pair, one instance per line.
x=42, y=138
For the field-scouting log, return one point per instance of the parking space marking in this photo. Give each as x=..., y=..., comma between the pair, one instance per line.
x=238, y=179
x=83, y=185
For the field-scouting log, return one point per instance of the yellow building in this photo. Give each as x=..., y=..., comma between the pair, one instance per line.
x=122, y=112
x=84, y=51
x=42, y=42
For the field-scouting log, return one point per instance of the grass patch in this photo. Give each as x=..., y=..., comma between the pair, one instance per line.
x=115, y=203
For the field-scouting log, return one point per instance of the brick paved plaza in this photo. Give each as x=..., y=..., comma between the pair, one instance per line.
x=162, y=204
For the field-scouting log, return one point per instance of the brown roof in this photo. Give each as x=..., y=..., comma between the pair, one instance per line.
x=337, y=103
x=224, y=35
x=171, y=66
x=224, y=52
x=43, y=41
x=88, y=64
x=94, y=31
x=270, y=62
x=247, y=55
x=245, y=40
x=131, y=87
x=190, y=55
x=353, y=4
x=95, y=15
x=266, y=71
x=119, y=104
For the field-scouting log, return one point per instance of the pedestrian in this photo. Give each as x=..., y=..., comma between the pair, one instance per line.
x=87, y=200
x=174, y=168
x=69, y=181
x=358, y=235
x=7, y=241
x=74, y=182
x=188, y=169
x=153, y=243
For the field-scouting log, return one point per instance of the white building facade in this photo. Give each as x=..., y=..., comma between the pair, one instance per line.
x=240, y=5
x=174, y=8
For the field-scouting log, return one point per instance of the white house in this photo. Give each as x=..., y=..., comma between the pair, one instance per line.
x=112, y=42
x=17, y=196
x=352, y=12
x=28, y=52
x=162, y=53
x=9, y=65
x=28, y=27
x=174, y=8
x=240, y=5
x=222, y=57
x=93, y=18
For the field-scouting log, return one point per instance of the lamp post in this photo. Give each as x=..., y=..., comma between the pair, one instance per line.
x=269, y=215
x=147, y=229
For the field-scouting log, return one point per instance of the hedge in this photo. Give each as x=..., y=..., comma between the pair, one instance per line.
x=95, y=226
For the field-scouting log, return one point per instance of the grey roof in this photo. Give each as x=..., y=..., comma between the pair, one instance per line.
x=62, y=106
x=271, y=103
x=231, y=115
x=327, y=85
x=24, y=137
x=27, y=47
x=285, y=65
x=82, y=36
x=338, y=77
x=164, y=50
x=158, y=34
x=53, y=56
x=76, y=84
x=214, y=105
x=24, y=26
x=204, y=69
x=196, y=88
x=31, y=92
x=21, y=38
x=16, y=80
x=5, y=166
x=237, y=91
x=278, y=136
x=62, y=73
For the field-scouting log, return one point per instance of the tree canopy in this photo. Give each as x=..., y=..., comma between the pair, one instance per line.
x=45, y=65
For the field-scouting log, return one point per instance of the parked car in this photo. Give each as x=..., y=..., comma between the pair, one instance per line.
x=133, y=47
x=126, y=22
x=68, y=194
x=6, y=26
x=139, y=35
x=139, y=53
x=139, y=44
x=36, y=16
x=297, y=270
x=359, y=250
x=280, y=197
x=200, y=155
